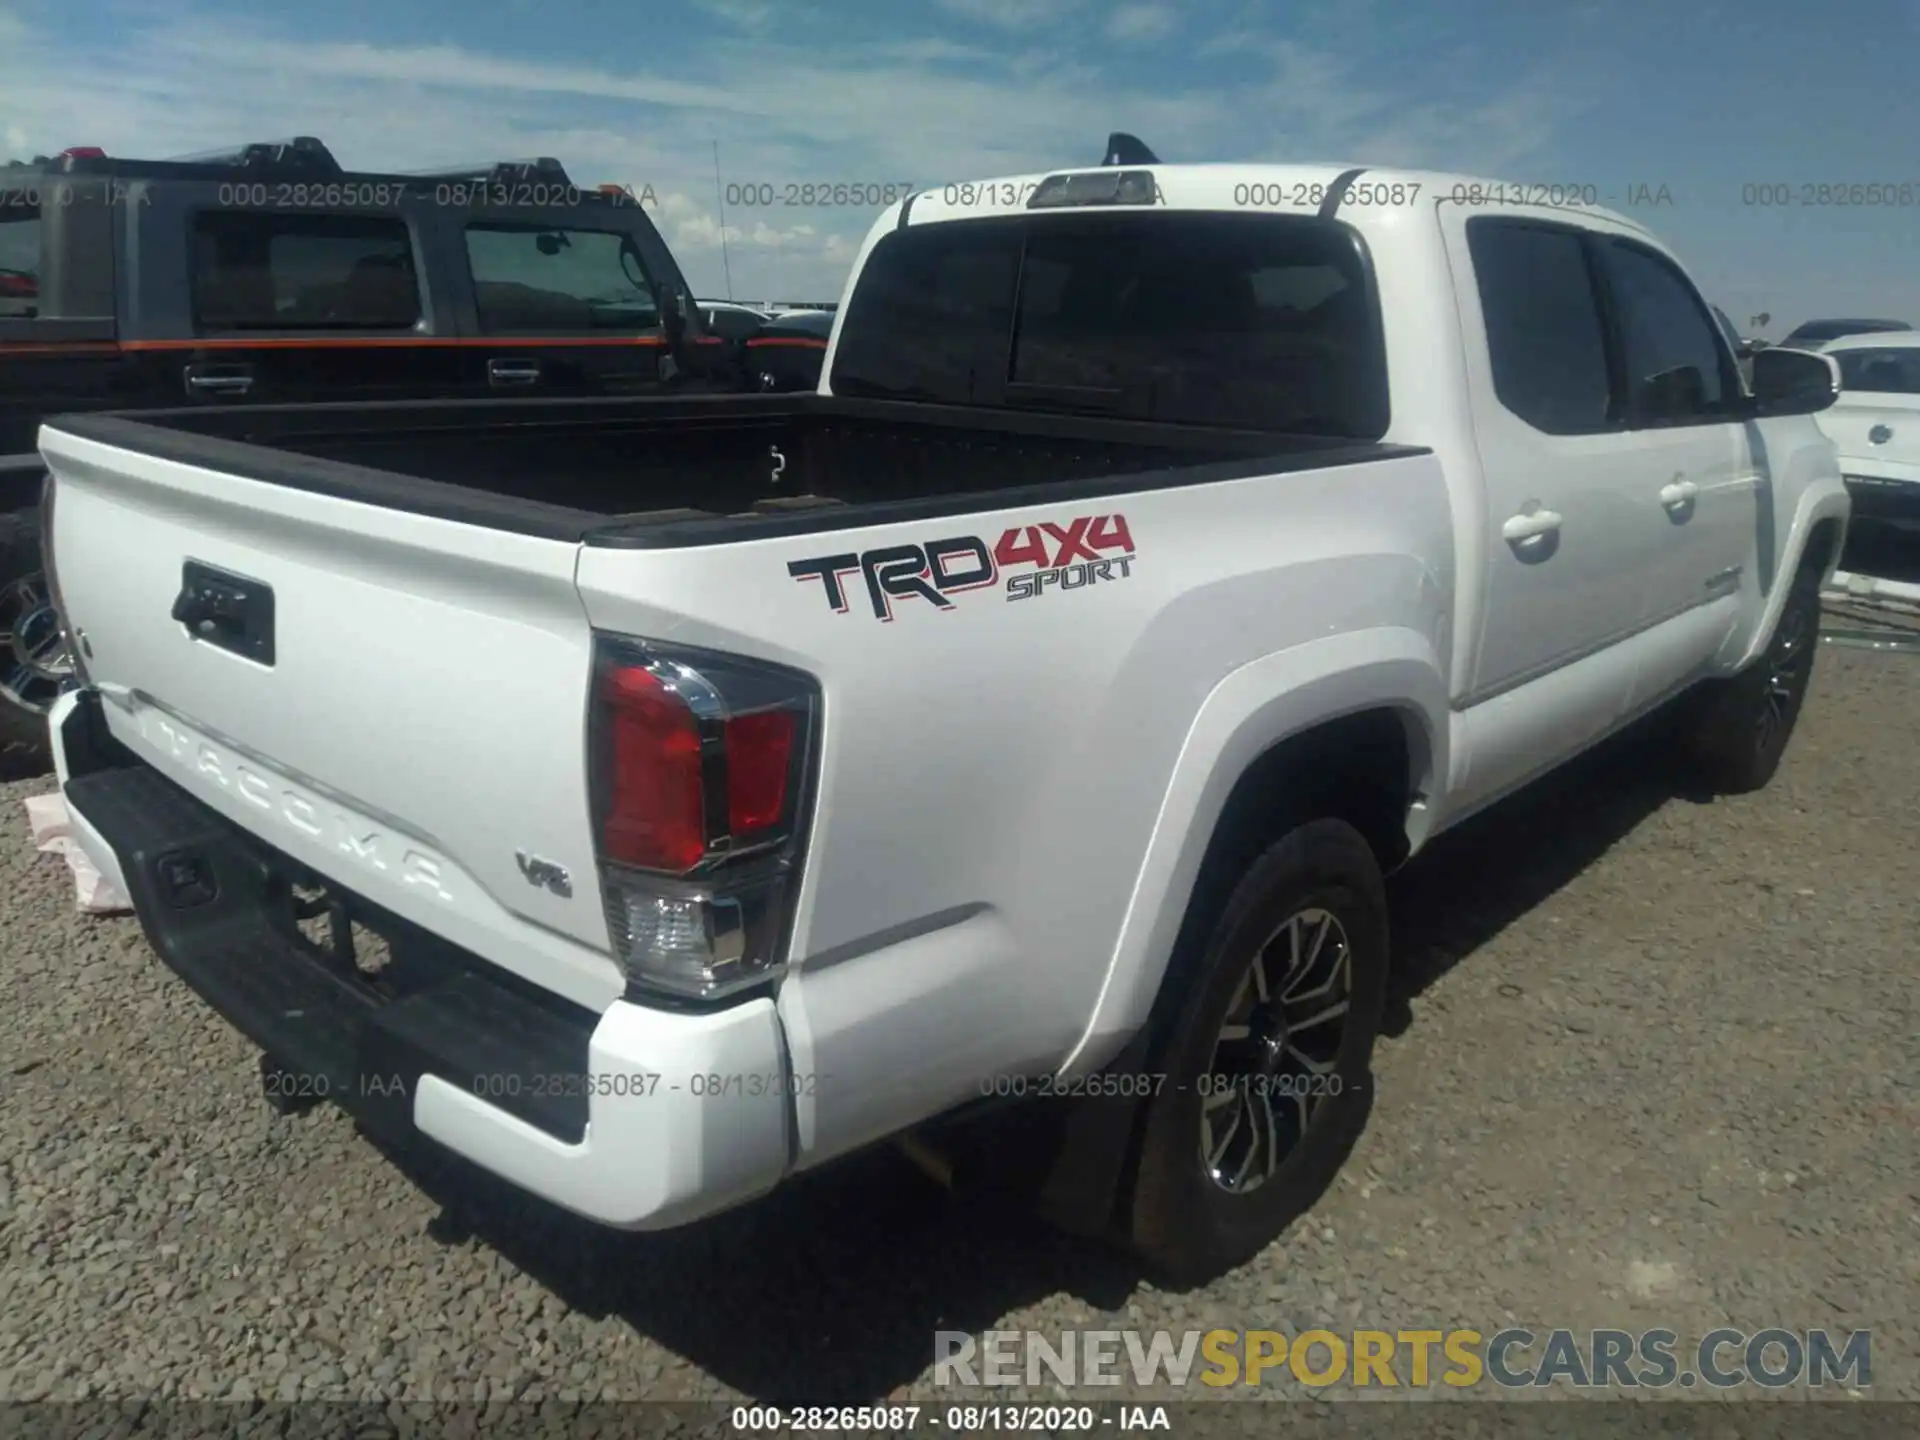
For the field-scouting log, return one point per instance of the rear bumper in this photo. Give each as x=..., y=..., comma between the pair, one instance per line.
x=635, y=1117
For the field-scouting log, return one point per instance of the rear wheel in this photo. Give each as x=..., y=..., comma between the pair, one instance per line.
x=1742, y=724
x=1267, y=1069
x=33, y=659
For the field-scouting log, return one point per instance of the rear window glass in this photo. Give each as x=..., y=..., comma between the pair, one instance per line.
x=255, y=271
x=932, y=315
x=1817, y=332
x=19, y=257
x=1892, y=371
x=1246, y=321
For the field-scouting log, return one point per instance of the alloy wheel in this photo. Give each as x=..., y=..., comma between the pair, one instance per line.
x=35, y=665
x=1273, y=1060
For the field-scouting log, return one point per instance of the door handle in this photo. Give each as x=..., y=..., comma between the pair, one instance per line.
x=1532, y=526
x=513, y=372
x=1679, y=494
x=219, y=380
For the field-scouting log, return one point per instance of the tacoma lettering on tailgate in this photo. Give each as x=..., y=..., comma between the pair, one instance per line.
x=1029, y=559
x=351, y=835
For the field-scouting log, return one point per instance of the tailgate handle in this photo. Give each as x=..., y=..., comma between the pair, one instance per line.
x=513, y=372
x=229, y=612
x=219, y=379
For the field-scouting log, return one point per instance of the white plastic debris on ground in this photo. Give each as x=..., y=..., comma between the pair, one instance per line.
x=53, y=835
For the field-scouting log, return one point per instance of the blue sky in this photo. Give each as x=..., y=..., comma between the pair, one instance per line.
x=1703, y=99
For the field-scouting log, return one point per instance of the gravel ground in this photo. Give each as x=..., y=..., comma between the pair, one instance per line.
x=1655, y=1064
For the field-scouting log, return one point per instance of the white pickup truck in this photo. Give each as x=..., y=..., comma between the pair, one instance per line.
x=1169, y=553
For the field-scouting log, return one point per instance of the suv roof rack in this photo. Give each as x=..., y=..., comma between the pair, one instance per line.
x=501, y=172
x=303, y=154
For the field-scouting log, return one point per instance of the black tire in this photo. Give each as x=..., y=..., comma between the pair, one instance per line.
x=23, y=730
x=1184, y=1221
x=1740, y=726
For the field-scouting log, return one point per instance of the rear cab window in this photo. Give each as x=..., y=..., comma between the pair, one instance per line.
x=255, y=271
x=1894, y=370
x=19, y=253
x=532, y=279
x=1248, y=321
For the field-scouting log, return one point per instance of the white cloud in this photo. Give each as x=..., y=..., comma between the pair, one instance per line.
x=1009, y=14
x=755, y=16
x=1137, y=24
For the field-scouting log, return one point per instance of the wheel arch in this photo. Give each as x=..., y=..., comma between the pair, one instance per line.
x=1369, y=760
x=1815, y=538
x=1352, y=727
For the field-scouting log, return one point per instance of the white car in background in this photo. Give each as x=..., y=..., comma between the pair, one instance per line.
x=1875, y=425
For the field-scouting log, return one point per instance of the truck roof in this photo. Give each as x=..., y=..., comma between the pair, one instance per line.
x=1293, y=188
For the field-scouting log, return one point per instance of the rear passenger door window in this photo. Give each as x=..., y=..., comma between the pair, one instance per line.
x=306, y=306
x=1546, y=338
x=258, y=271
x=1677, y=368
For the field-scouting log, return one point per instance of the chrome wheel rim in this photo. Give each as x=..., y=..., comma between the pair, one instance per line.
x=34, y=661
x=1786, y=671
x=1272, y=1066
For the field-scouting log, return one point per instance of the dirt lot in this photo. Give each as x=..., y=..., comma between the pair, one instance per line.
x=1657, y=1064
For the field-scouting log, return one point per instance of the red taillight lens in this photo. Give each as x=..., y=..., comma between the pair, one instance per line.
x=700, y=775
x=655, y=814
x=759, y=762
x=83, y=152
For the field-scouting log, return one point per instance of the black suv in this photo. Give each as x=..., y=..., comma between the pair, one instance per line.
x=271, y=274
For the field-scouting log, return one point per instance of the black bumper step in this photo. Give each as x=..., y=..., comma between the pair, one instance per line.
x=217, y=906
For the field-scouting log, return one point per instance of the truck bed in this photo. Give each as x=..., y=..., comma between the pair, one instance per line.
x=656, y=471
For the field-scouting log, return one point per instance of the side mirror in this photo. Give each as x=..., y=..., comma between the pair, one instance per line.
x=1793, y=382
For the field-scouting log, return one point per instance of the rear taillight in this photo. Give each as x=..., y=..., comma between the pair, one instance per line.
x=700, y=764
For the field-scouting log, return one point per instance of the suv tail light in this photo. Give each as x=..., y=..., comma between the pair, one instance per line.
x=700, y=766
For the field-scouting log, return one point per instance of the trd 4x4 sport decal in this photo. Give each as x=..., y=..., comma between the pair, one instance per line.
x=1031, y=559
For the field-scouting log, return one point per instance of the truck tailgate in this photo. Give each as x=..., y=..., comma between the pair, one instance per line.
x=417, y=725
